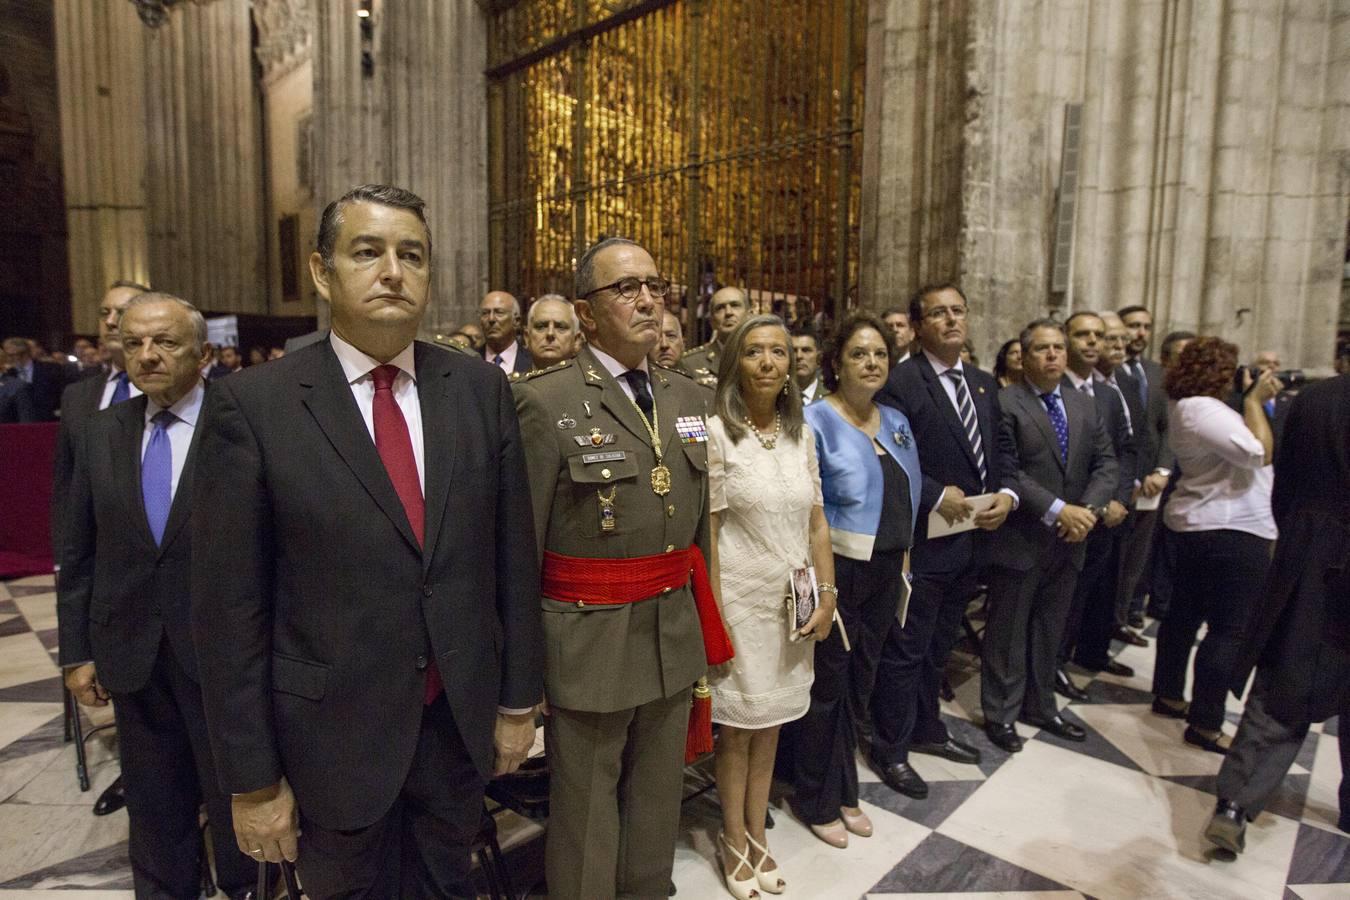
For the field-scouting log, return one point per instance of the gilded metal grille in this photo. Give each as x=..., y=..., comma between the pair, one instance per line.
x=723, y=135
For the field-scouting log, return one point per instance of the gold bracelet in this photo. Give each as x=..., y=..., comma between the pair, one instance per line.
x=826, y=586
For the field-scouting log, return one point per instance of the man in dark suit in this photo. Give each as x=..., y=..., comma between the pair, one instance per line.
x=79, y=402
x=499, y=314
x=16, y=400
x=366, y=593
x=1155, y=460
x=123, y=601
x=954, y=411
x=48, y=379
x=1299, y=642
x=1066, y=473
x=1091, y=620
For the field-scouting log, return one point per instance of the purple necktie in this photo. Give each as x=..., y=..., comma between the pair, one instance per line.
x=157, y=475
x=122, y=391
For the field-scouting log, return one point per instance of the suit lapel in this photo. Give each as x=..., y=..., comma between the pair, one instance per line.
x=127, y=459
x=440, y=412
x=948, y=412
x=330, y=401
x=612, y=396
x=1031, y=402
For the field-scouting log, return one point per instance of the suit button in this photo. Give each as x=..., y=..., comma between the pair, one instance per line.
x=581, y=604
x=427, y=592
x=670, y=511
x=666, y=590
x=670, y=548
x=605, y=473
x=421, y=663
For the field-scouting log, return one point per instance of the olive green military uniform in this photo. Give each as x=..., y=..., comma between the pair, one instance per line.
x=703, y=360
x=618, y=678
x=706, y=380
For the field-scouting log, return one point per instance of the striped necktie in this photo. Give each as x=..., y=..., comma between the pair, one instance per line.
x=966, y=410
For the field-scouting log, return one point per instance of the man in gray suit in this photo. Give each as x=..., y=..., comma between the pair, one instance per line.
x=1065, y=476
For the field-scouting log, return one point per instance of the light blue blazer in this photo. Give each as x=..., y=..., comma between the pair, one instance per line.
x=850, y=475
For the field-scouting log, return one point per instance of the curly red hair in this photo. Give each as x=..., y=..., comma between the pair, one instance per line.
x=1205, y=368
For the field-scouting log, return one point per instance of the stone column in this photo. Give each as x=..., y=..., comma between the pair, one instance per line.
x=418, y=120
x=99, y=57
x=204, y=183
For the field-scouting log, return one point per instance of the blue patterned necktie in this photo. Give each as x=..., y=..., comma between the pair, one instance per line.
x=1060, y=424
x=157, y=475
x=122, y=391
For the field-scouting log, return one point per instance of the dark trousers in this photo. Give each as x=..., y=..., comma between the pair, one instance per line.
x=1265, y=747
x=1027, y=610
x=420, y=847
x=1092, y=615
x=614, y=799
x=1136, y=553
x=1218, y=580
x=168, y=772
x=824, y=770
x=905, y=707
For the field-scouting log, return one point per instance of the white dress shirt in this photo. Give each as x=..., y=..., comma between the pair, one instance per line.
x=812, y=390
x=1225, y=482
x=180, y=430
x=616, y=368
x=110, y=385
x=508, y=355
x=357, y=366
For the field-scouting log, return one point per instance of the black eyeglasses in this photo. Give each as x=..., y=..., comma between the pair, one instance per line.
x=630, y=288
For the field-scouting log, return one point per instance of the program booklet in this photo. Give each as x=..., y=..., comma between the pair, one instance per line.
x=803, y=601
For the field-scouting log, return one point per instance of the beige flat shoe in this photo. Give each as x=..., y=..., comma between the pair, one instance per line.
x=856, y=821
x=834, y=834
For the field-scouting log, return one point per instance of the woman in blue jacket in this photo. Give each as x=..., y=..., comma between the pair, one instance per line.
x=869, y=475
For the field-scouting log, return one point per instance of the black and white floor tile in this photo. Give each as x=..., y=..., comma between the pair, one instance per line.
x=1118, y=816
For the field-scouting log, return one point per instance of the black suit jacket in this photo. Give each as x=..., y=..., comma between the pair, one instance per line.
x=1111, y=413
x=1154, y=429
x=79, y=402
x=16, y=401
x=119, y=593
x=524, y=362
x=315, y=612
x=1143, y=449
x=945, y=455
x=1089, y=477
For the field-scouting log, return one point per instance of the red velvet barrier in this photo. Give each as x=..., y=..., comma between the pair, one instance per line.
x=27, y=453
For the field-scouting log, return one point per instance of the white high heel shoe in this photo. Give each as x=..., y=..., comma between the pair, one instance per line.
x=768, y=881
x=740, y=888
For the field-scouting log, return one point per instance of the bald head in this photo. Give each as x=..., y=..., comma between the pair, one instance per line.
x=727, y=308
x=1115, y=341
x=499, y=314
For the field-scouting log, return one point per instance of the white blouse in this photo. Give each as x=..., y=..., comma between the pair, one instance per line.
x=1224, y=483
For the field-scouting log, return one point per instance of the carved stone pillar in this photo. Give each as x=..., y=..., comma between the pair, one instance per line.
x=100, y=82
x=204, y=183
x=416, y=116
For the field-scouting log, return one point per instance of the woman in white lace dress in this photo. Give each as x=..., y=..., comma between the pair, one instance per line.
x=768, y=521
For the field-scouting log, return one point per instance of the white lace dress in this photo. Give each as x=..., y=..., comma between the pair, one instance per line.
x=764, y=498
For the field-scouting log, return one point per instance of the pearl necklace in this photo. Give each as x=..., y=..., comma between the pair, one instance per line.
x=769, y=442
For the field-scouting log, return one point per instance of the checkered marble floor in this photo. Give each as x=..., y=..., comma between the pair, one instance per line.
x=1119, y=816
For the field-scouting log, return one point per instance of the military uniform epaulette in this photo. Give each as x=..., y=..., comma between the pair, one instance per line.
x=701, y=348
x=556, y=367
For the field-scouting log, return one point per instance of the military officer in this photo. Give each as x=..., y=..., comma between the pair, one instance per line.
x=728, y=307
x=617, y=459
x=670, y=348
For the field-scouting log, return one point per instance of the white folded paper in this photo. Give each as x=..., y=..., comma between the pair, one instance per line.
x=938, y=527
x=1147, y=503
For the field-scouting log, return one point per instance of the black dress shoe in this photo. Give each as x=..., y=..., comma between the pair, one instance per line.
x=901, y=778
x=1227, y=828
x=111, y=800
x=1059, y=728
x=1004, y=736
x=949, y=749
x=1065, y=687
x=1127, y=636
x=1172, y=712
x=1116, y=668
x=1193, y=736
x=1136, y=621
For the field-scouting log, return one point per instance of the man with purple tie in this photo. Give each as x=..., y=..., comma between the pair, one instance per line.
x=123, y=600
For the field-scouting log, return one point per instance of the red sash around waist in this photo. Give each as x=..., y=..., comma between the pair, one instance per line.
x=610, y=582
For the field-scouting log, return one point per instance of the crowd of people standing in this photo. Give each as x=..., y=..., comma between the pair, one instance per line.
x=361, y=575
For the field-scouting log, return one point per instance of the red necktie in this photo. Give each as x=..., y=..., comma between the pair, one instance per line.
x=396, y=452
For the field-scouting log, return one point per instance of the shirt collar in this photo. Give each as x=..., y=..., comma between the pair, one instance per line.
x=1039, y=393
x=612, y=365
x=941, y=367
x=357, y=364
x=113, y=373
x=1075, y=380
x=507, y=353
x=186, y=409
